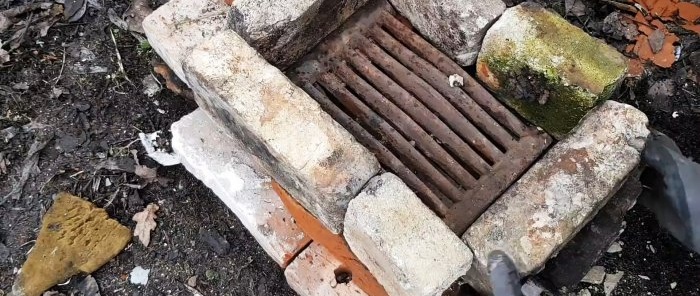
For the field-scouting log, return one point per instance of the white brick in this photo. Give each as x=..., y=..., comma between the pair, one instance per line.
x=221, y=163
x=405, y=245
x=313, y=273
x=454, y=26
x=564, y=190
x=177, y=26
x=303, y=148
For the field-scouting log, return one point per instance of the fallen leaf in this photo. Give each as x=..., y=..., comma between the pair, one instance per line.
x=145, y=223
x=688, y=11
x=656, y=40
x=575, y=7
x=148, y=174
x=134, y=16
x=74, y=10
x=4, y=56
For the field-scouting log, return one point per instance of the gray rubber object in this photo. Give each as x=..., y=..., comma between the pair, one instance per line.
x=676, y=194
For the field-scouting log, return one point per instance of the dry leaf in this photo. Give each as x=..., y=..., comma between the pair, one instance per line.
x=145, y=223
x=148, y=174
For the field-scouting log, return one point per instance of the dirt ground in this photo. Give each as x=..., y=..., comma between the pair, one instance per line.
x=93, y=118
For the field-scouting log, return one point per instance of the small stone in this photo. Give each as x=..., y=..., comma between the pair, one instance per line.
x=548, y=70
x=673, y=285
x=584, y=292
x=456, y=27
x=595, y=276
x=214, y=241
x=644, y=277
x=615, y=248
x=75, y=237
x=192, y=281
x=89, y=287
x=611, y=281
x=456, y=80
x=139, y=276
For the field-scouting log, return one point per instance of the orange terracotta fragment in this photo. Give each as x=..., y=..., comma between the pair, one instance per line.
x=688, y=11
x=645, y=29
x=635, y=68
x=659, y=25
x=334, y=243
x=228, y=2
x=640, y=19
x=693, y=28
x=667, y=55
x=664, y=9
x=643, y=49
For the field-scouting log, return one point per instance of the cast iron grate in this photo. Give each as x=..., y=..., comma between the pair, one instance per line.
x=458, y=148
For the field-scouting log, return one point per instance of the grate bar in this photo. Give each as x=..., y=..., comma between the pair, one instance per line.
x=436, y=78
x=431, y=97
x=442, y=62
x=419, y=113
x=457, y=148
x=406, y=125
x=389, y=135
x=383, y=154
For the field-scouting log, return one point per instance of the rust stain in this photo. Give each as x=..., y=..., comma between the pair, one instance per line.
x=334, y=243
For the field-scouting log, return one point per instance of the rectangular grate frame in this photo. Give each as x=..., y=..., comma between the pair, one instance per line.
x=458, y=148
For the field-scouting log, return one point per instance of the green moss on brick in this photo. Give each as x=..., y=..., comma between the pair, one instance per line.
x=574, y=70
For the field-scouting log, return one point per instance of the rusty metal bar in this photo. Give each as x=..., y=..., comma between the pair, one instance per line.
x=406, y=125
x=389, y=135
x=418, y=112
x=431, y=98
x=439, y=80
x=442, y=62
x=385, y=156
x=458, y=148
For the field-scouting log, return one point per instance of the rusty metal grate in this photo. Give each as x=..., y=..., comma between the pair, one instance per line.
x=458, y=148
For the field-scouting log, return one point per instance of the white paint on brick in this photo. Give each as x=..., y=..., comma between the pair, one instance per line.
x=309, y=153
x=212, y=156
x=312, y=273
x=403, y=243
x=177, y=26
x=564, y=190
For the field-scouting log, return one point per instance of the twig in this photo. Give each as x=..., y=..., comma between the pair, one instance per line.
x=621, y=6
x=111, y=198
x=63, y=65
x=119, y=57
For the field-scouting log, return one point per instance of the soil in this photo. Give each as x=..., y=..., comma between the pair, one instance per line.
x=98, y=117
x=97, y=120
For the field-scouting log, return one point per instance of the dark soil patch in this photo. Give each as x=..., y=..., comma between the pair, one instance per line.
x=98, y=119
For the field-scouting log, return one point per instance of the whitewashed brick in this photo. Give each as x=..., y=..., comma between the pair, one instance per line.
x=177, y=26
x=401, y=241
x=302, y=147
x=564, y=190
x=212, y=156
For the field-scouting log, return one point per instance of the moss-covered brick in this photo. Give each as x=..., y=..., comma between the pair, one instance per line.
x=547, y=69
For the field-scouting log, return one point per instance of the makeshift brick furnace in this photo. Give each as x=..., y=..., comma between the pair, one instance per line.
x=364, y=159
